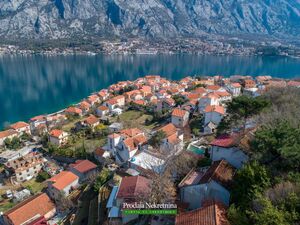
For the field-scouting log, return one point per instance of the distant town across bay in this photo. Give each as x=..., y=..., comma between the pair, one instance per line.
x=33, y=85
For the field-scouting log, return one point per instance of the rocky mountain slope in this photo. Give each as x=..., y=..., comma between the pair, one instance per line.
x=51, y=19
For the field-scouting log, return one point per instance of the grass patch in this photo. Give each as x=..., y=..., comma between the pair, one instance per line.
x=4, y=206
x=134, y=118
x=34, y=186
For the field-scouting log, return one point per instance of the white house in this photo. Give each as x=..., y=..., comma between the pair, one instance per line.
x=234, y=89
x=7, y=134
x=58, y=137
x=208, y=100
x=173, y=142
x=84, y=169
x=180, y=118
x=213, y=185
x=21, y=127
x=63, y=183
x=225, y=147
x=213, y=114
x=102, y=110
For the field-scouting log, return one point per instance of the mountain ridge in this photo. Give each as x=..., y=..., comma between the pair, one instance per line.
x=55, y=19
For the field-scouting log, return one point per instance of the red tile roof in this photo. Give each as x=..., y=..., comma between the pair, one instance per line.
x=225, y=141
x=41, y=117
x=56, y=133
x=103, y=108
x=74, y=110
x=63, y=179
x=179, y=113
x=83, y=166
x=236, y=85
x=221, y=172
x=211, y=214
x=213, y=87
x=131, y=132
x=85, y=105
x=91, y=120
x=7, y=133
x=215, y=108
x=133, y=187
x=169, y=129
x=30, y=208
x=19, y=125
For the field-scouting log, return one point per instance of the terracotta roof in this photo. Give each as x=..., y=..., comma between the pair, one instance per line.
x=19, y=125
x=63, y=179
x=83, y=166
x=132, y=187
x=112, y=101
x=132, y=143
x=103, y=108
x=236, y=85
x=56, y=133
x=169, y=129
x=41, y=117
x=85, y=105
x=193, y=95
x=223, y=93
x=91, y=120
x=179, y=112
x=140, y=102
x=7, y=133
x=221, y=172
x=73, y=110
x=131, y=132
x=211, y=214
x=200, y=90
x=213, y=87
x=38, y=205
x=225, y=141
x=173, y=139
x=215, y=108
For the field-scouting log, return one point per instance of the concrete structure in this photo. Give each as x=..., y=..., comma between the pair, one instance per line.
x=62, y=184
x=58, y=137
x=180, y=118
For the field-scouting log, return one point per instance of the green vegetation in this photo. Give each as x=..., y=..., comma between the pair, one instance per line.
x=102, y=178
x=42, y=176
x=179, y=100
x=196, y=124
x=267, y=190
x=243, y=107
x=13, y=143
x=134, y=118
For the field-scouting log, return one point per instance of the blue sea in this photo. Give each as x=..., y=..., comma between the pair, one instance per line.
x=33, y=85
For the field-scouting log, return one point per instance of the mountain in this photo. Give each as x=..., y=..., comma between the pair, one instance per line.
x=52, y=19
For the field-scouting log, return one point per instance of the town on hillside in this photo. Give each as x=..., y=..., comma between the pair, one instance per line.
x=182, y=143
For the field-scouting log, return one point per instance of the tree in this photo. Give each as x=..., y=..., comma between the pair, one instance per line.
x=266, y=214
x=13, y=143
x=237, y=216
x=157, y=138
x=102, y=178
x=279, y=143
x=162, y=188
x=251, y=180
x=244, y=107
x=179, y=100
x=42, y=176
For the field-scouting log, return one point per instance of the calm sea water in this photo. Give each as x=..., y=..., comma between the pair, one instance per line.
x=33, y=85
